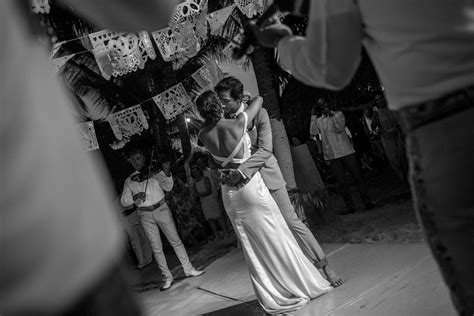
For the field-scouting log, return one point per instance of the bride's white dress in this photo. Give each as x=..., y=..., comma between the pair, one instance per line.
x=282, y=277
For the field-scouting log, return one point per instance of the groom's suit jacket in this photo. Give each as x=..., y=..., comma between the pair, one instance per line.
x=262, y=159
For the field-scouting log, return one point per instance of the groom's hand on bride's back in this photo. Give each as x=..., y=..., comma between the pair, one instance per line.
x=232, y=178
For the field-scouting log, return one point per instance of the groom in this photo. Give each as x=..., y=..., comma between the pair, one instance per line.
x=230, y=91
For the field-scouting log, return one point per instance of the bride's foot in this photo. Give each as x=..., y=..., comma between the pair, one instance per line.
x=332, y=277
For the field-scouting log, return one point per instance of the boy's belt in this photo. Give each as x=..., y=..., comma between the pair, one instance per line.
x=151, y=207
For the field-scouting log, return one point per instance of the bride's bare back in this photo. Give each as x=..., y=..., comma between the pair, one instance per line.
x=222, y=138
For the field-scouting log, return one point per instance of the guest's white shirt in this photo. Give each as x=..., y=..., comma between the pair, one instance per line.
x=334, y=138
x=421, y=49
x=154, y=189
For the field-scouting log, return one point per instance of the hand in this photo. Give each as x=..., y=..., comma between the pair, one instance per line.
x=139, y=198
x=230, y=177
x=269, y=36
x=242, y=183
x=234, y=177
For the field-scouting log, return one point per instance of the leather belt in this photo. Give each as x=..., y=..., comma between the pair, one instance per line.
x=418, y=115
x=151, y=208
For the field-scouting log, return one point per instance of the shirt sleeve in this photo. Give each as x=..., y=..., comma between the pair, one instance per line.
x=329, y=54
x=127, y=195
x=166, y=183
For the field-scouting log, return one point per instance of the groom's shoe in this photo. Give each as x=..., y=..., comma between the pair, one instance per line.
x=167, y=285
x=194, y=273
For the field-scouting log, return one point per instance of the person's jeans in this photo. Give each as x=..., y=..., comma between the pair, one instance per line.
x=152, y=222
x=301, y=232
x=440, y=147
x=350, y=163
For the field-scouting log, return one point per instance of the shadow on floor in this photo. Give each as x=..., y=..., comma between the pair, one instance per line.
x=247, y=308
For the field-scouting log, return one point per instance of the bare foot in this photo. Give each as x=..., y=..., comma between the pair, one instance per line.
x=332, y=277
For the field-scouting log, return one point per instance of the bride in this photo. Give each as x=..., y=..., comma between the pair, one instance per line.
x=282, y=277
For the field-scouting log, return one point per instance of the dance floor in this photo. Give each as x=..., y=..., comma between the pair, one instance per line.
x=380, y=279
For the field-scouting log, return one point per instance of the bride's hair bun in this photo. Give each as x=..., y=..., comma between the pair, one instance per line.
x=209, y=107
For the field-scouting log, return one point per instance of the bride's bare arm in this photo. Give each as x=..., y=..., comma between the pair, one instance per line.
x=253, y=108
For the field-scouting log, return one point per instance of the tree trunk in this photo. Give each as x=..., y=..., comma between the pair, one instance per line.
x=261, y=59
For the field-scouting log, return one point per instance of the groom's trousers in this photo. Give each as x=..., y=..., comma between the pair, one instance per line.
x=301, y=232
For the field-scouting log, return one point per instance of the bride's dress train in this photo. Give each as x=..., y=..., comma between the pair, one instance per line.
x=281, y=275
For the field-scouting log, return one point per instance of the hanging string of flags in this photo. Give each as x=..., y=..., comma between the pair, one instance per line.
x=121, y=53
x=204, y=78
x=177, y=99
x=88, y=136
x=171, y=102
x=128, y=122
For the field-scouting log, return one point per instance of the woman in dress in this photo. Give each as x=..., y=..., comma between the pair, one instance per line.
x=282, y=277
x=203, y=189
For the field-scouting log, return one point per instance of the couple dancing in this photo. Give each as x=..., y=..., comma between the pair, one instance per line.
x=281, y=253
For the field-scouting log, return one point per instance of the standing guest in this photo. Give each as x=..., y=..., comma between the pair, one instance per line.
x=386, y=123
x=206, y=192
x=426, y=65
x=340, y=154
x=146, y=192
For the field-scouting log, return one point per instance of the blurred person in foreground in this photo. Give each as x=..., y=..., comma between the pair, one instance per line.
x=426, y=66
x=59, y=239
